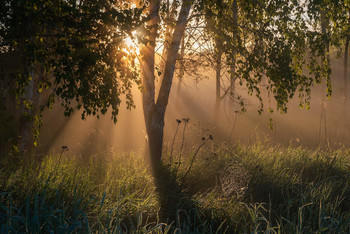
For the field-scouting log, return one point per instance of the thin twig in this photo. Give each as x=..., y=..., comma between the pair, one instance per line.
x=233, y=126
x=195, y=154
x=64, y=148
x=172, y=145
x=183, y=141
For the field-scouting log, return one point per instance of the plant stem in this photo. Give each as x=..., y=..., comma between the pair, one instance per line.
x=182, y=145
x=233, y=126
x=193, y=158
x=172, y=145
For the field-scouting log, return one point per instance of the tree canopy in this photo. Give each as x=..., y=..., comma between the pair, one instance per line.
x=80, y=48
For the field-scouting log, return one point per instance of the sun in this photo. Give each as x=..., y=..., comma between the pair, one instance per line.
x=129, y=42
x=132, y=45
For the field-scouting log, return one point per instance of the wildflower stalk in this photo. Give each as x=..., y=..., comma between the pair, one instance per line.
x=172, y=145
x=195, y=154
x=233, y=126
x=183, y=141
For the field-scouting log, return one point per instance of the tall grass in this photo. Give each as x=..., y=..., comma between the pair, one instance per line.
x=227, y=189
x=77, y=195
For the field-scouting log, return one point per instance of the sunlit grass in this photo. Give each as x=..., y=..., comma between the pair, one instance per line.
x=228, y=188
x=76, y=186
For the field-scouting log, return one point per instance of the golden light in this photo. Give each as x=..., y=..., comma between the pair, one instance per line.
x=132, y=44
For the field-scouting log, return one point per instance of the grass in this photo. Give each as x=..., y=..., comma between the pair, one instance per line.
x=229, y=189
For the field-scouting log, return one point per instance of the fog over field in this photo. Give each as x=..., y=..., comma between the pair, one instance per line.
x=298, y=127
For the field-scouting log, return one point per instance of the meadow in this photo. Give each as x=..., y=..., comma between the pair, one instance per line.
x=220, y=189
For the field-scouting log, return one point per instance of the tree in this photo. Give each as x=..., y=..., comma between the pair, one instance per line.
x=80, y=43
x=72, y=50
x=214, y=26
x=341, y=18
x=79, y=49
x=154, y=109
x=268, y=38
x=329, y=27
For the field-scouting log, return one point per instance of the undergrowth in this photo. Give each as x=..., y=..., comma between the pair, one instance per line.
x=223, y=189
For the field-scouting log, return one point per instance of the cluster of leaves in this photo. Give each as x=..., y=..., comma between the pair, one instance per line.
x=79, y=45
x=278, y=40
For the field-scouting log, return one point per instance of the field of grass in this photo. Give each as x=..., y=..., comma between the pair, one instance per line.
x=230, y=189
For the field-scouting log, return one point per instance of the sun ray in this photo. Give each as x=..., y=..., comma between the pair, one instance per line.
x=132, y=44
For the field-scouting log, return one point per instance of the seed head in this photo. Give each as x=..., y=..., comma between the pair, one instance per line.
x=186, y=120
x=64, y=147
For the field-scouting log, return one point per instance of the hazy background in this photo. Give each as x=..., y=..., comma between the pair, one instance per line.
x=299, y=127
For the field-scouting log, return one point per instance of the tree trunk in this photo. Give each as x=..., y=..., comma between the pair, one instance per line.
x=326, y=64
x=155, y=137
x=148, y=78
x=154, y=111
x=234, y=52
x=27, y=123
x=218, y=81
x=169, y=29
x=346, y=51
x=181, y=70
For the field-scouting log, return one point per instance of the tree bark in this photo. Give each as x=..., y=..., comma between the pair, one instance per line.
x=169, y=29
x=234, y=52
x=148, y=78
x=181, y=70
x=27, y=123
x=346, y=51
x=154, y=112
x=218, y=81
x=325, y=58
x=37, y=100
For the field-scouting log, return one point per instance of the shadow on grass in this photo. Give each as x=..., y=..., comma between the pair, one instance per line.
x=308, y=192
x=171, y=196
x=179, y=207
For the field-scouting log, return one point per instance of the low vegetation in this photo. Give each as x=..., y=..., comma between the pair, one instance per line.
x=227, y=189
